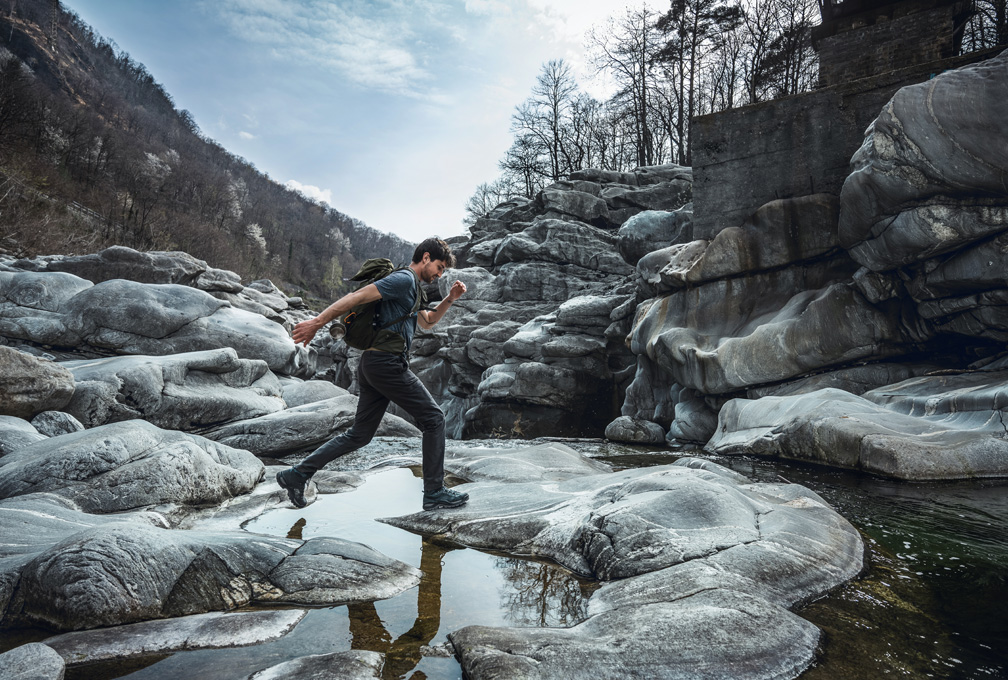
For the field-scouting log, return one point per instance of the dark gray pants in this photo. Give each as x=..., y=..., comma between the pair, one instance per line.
x=385, y=377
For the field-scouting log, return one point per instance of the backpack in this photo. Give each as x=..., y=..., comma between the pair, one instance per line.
x=360, y=325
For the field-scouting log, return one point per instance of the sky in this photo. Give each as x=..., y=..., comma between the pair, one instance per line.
x=390, y=111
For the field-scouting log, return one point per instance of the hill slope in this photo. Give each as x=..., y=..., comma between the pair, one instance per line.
x=93, y=152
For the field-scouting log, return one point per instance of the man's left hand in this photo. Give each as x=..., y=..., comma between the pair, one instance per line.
x=457, y=290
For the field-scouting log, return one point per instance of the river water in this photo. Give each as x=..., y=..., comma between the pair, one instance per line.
x=930, y=604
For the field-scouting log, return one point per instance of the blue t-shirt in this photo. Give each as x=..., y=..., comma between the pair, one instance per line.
x=399, y=293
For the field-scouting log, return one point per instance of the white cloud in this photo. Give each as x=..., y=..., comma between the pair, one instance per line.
x=376, y=45
x=487, y=7
x=312, y=192
x=246, y=135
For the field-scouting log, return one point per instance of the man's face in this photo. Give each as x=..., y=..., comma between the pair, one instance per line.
x=432, y=269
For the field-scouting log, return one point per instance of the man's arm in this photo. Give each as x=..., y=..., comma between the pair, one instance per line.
x=306, y=330
x=427, y=318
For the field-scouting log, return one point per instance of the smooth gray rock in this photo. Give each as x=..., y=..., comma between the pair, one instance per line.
x=699, y=555
x=695, y=420
x=126, y=317
x=542, y=463
x=714, y=634
x=303, y=427
x=29, y=385
x=938, y=143
x=978, y=267
x=352, y=665
x=653, y=230
x=300, y=392
x=562, y=242
x=189, y=391
x=213, y=630
x=485, y=347
x=32, y=661
x=837, y=428
x=725, y=336
x=577, y=204
x=626, y=523
x=635, y=431
x=76, y=571
x=55, y=423
x=649, y=396
x=234, y=512
x=120, y=262
x=129, y=465
x=17, y=433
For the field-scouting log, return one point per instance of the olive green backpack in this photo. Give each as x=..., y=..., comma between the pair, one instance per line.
x=359, y=326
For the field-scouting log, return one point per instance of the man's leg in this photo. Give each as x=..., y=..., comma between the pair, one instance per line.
x=371, y=405
x=397, y=382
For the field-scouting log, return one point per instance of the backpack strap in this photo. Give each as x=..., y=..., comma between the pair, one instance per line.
x=416, y=304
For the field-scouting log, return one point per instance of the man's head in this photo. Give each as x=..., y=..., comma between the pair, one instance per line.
x=431, y=258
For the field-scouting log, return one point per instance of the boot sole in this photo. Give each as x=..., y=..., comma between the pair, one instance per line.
x=444, y=505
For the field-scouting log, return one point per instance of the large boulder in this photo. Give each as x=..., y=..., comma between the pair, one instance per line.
x=198, y=631
x=653, y=230
x=17, y=433
x=129, y=465
x=303, y=427
x=33, y=661
x=930, y=174
x=120, y=262
x=922, y=429
x=76, y=571
x=692, y=550
x=125, y=317
x=562, y=242
x=729, y=335
x=190, y=391
x=30, y=385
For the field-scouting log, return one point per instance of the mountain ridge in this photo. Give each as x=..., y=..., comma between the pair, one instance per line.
x=94, y=152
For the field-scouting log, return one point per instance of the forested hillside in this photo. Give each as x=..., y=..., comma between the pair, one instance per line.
x=93, y=152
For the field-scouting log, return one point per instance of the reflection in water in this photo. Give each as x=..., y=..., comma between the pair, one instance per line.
x=542, y=595
x=404, y=653
x=295, y=531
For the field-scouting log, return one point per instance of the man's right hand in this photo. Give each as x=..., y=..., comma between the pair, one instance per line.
x=306, y=330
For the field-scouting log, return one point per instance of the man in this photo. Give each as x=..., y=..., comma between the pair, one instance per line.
x=385, y=377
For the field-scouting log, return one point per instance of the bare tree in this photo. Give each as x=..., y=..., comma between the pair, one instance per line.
x=627, y=48
x=987, y=27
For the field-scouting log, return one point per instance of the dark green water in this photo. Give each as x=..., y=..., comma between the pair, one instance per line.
x=931, y=603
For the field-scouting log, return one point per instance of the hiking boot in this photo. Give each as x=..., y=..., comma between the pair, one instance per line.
x=444, y=498
x=289, y=479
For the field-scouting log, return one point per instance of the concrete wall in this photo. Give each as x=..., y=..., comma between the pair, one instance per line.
x=890, y=43
x=799, y=145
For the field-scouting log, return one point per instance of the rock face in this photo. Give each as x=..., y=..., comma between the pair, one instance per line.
x=898, y=279
x=535, y=347
x=691, y=552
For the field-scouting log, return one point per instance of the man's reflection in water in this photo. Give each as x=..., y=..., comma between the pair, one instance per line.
x=404, y=653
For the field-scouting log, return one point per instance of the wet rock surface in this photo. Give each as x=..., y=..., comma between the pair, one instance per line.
x=80, y=571
x=353, y=665
x=199, y=631
x=687, y=549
